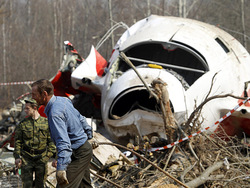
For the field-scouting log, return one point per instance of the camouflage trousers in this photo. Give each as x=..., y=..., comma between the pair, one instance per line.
x=29, y=166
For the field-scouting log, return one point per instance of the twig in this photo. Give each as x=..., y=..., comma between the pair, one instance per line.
x=196, y=157
x=138, y=155
x=186, y=171
x=125, y=58
x=170, y=155
x=105, y=179
x=217, y=157
x=191, y=117
x=217, y=144
x=146, y=168
x=50, y=183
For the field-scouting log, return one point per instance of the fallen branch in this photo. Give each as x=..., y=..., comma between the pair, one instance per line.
x=169, y=157
x=205, y=175
x=186, y=171
x=191, y=117
x=105, y=179
x=125, y=58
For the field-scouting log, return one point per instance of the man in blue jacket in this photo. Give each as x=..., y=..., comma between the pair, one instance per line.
x=70, y=133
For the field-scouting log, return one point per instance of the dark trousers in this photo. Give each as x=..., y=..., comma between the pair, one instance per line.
x=78, y=172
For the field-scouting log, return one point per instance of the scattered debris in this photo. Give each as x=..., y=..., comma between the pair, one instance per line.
x=213, y=162
x=206, y=160
x=224, y=163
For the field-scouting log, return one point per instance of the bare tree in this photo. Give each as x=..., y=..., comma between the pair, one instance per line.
x=111, y=22
x=85, y=7
x=61, y=34
x=4, y=48
x=163, y=7
x=55, y=29
x=243, y=23
x=148, y=5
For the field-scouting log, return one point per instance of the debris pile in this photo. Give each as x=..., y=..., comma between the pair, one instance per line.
x=205, y=160
x=9, y=118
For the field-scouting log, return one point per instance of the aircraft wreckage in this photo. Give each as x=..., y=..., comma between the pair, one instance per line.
x=192, y=59
x=187, y=59
x=160, y=71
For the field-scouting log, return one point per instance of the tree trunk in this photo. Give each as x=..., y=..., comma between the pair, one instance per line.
x=4, y=49
x=55, y=30
x=182, y=8
x=149, y=10
x=61, y=36
x=111, y=22
x=163, y=7
x=86, y=8
x=9, y=44
x=243, y=23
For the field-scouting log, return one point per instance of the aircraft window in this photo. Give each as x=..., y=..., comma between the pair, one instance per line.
x=222, y=45
x=172, y=56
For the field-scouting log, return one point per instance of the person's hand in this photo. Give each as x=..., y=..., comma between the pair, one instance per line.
x=61, y=177
x=90, y=134
x=18, y=163
x=54, y=163
x=94, y=144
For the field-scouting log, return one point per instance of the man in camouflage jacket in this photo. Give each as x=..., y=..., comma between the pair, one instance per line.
x=33, y=146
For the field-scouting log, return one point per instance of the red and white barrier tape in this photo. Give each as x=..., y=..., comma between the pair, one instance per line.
x=16, y=83
x=194, y=134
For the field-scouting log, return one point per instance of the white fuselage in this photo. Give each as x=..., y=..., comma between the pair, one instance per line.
x=228, y=63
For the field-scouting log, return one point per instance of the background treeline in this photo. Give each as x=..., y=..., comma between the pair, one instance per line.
x=33, y=31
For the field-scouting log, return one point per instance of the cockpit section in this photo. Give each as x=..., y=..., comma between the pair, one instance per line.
x=172, y=56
